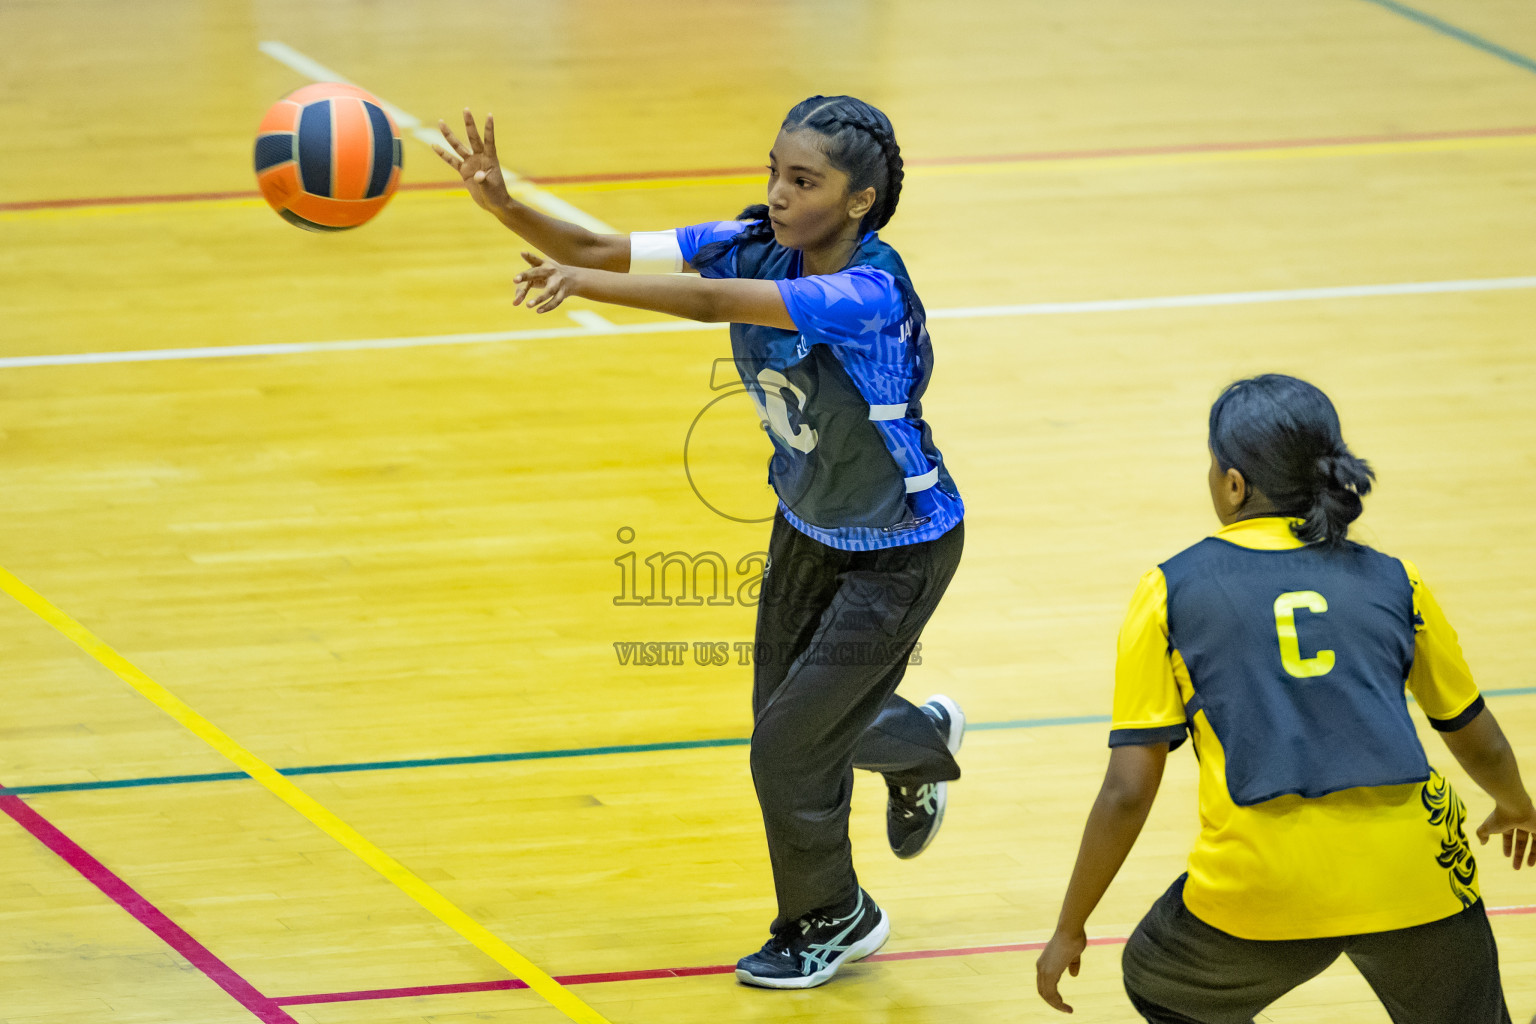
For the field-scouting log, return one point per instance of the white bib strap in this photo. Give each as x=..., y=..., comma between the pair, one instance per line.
x=655, y=252
x=922, y=483
x=888, y=412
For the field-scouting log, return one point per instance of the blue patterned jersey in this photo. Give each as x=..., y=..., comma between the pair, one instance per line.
x=854, y=463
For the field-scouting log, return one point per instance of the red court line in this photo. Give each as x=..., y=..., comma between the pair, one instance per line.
x=1042, y=156
x=177, y=197
x=647, y=975
x=1495, y=911
x=269, y=1010
x=691, y=972
x=146, y=913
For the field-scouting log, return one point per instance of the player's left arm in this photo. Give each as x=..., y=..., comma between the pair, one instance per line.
x=1481, y=748
x=710, y=300
x=1442, y=685
x=1439, y=678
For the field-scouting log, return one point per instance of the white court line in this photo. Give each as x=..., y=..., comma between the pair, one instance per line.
x=1495, y=284
x=590, y=318
x=593, y=330
x=302, y=347
x=517, y=187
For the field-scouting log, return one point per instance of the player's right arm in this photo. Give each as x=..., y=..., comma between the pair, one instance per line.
x=1148, y=721
x=568, y=243
x=1442, y=684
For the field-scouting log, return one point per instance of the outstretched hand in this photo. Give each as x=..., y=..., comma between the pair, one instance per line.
x=476, y=161
x=556, y=283
x=1064, y=953
x=1519, y=832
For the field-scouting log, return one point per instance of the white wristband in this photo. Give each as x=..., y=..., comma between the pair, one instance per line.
x=655, y=252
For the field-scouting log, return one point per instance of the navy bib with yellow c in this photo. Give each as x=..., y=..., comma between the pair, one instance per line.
x=1298, y=659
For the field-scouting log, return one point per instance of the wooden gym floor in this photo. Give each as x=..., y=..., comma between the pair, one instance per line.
x=395, y=564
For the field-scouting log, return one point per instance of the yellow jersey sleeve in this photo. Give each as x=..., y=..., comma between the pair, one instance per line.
x=1439, y=680
x=1148, y=708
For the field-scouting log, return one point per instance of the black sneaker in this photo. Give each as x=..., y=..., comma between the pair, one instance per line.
x=811, y=950
x=913, y=814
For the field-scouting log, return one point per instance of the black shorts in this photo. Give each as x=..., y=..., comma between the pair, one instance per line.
x=1180, y=970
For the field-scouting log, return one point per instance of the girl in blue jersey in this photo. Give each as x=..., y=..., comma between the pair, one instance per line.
x=831, y=342
x=1283, y=649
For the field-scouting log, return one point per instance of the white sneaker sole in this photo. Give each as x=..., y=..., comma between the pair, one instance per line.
x=956, y=721
x=953, y=741
x=867, y=946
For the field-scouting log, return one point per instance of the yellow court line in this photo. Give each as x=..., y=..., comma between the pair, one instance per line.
x=429, y=898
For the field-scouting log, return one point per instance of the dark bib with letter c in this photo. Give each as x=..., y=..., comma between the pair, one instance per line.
x=1298, y=659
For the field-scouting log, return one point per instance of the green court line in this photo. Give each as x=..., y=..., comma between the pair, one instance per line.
x=374, y=766
x=542, y=755
x=1445, y=28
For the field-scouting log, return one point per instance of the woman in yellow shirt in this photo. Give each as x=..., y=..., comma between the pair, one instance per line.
x=1283, y=649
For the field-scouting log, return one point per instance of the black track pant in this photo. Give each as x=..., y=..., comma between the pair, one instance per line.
x=1180, y=970
x=834, y=632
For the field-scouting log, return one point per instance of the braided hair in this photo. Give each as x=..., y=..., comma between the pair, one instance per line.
x=858, y=140
x=1283, y=435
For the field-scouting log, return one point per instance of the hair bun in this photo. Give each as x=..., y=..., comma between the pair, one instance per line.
x=1342, y=472
x=1283, y=435
x=1328, y=472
